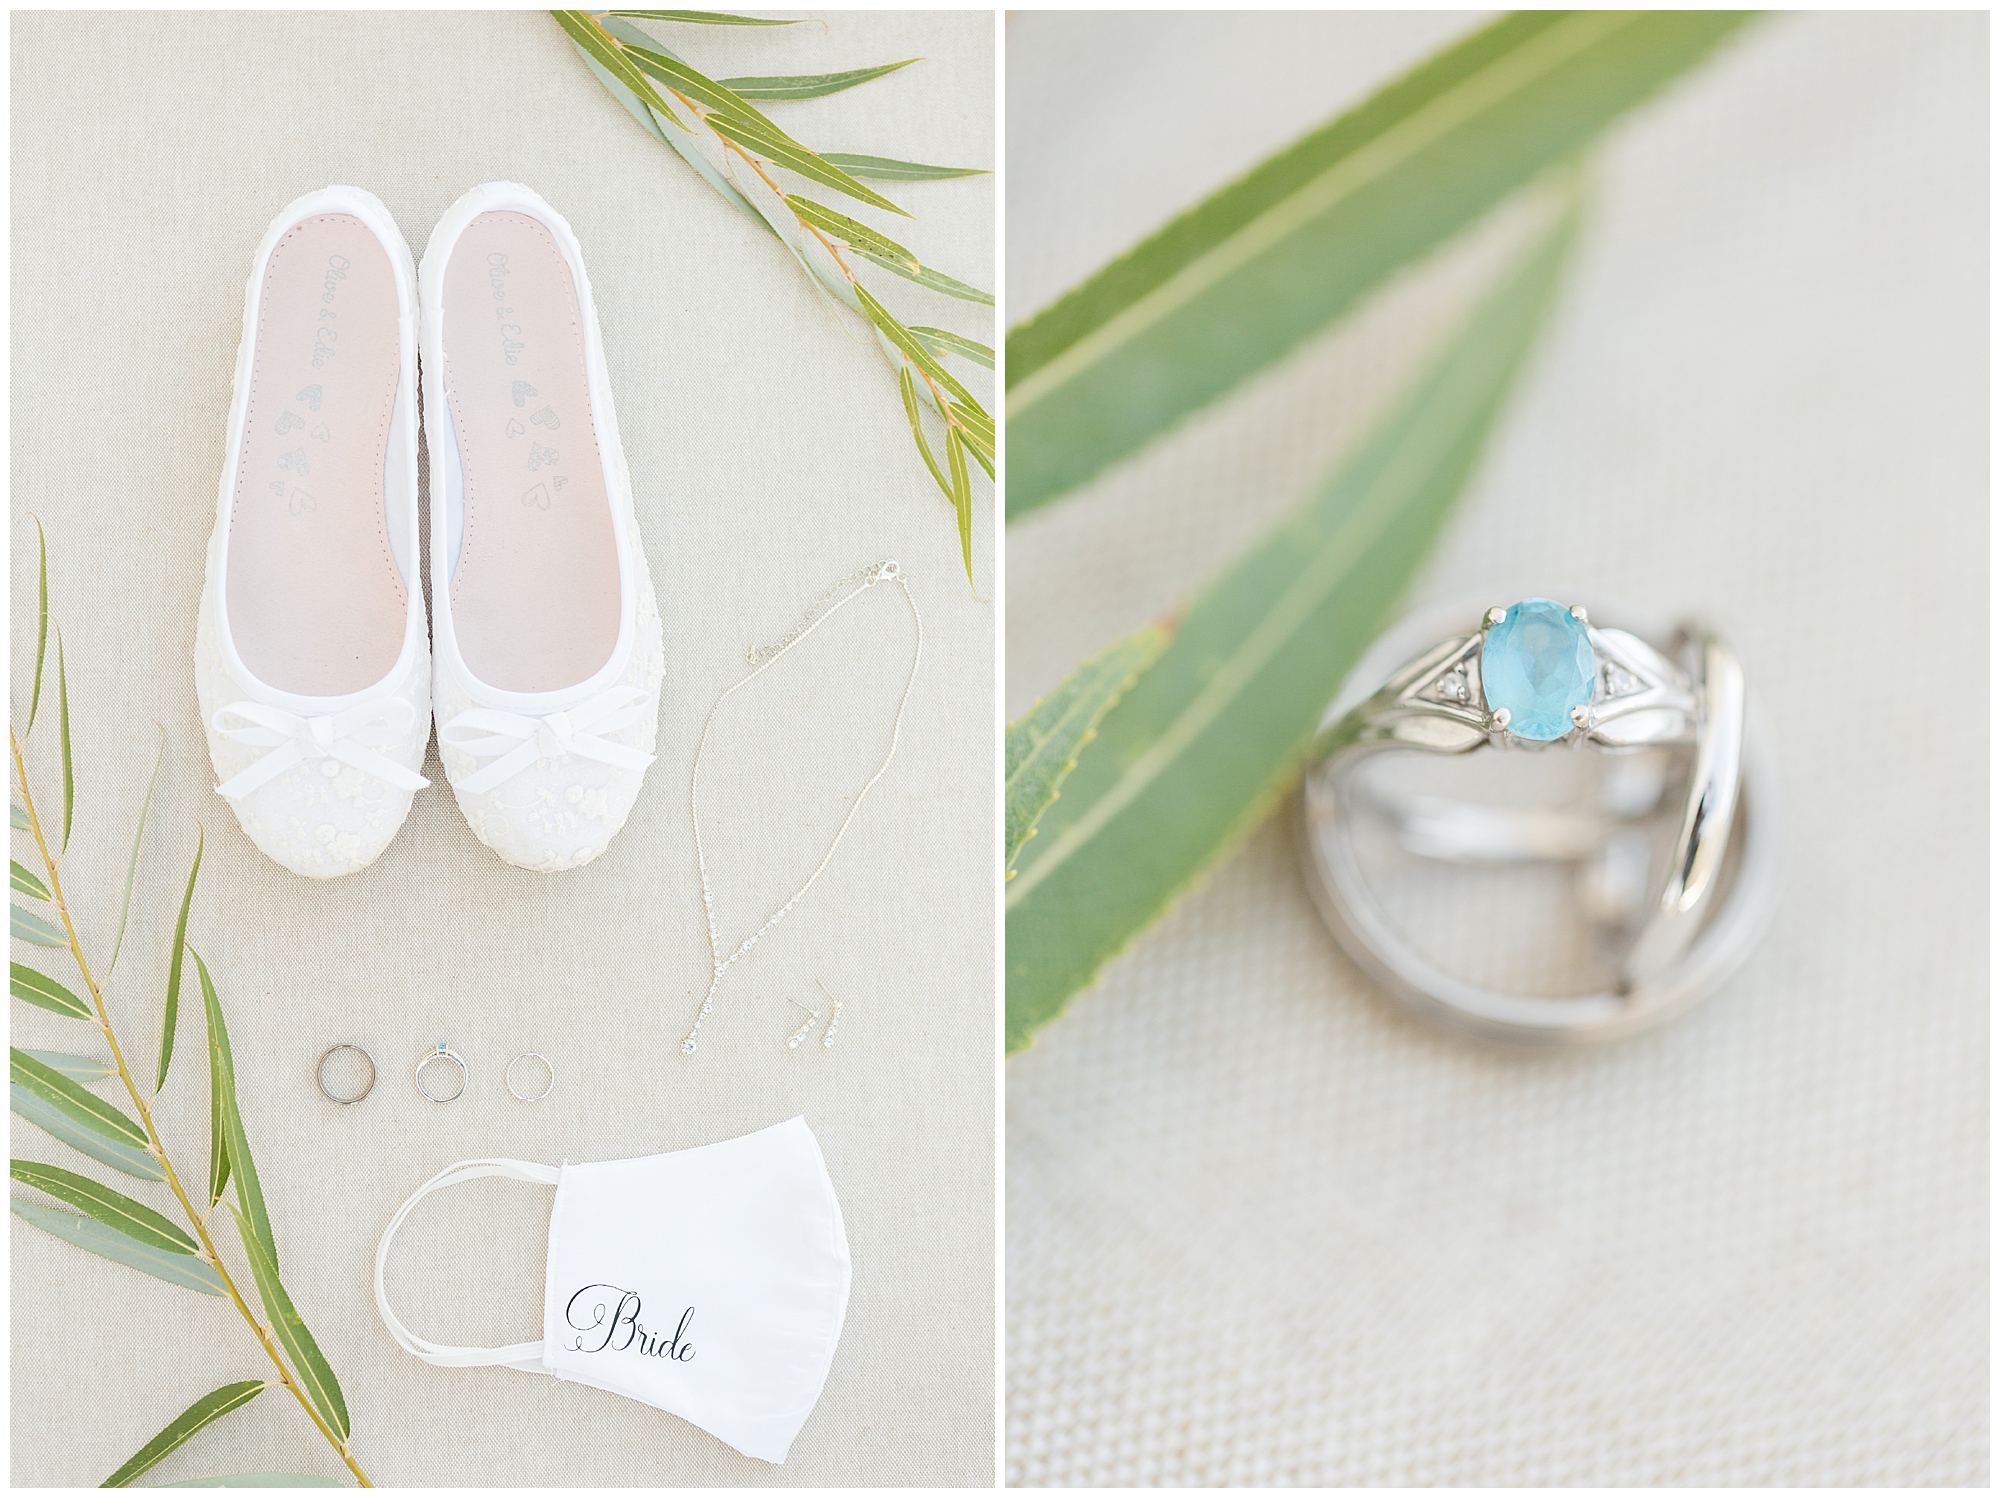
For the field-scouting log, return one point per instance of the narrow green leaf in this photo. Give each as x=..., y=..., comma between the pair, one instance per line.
x=69, y=766
x=882, y=169
x=700, y=18
x=309, y=1366
x=849, y=231
x=223, y=1109
x=593, y=43
x=811, y=85
x=680, y=142
x=30, y=927
x=624, y=96
x=1211, y=735
x=176, y=1269
x=651, y=59
x=132, y=864
x=170, y=1023
x=984, y=458
x=114, y=1209
x=788, y=153
x=86, y=1109
x=119, y=1156
x=978, y=425
x=1043, y=743
x=17, y=818
x=1247, y=275
x=940, y=342
x=39, y=989
x=259, y=1480
x=41, y=639
x=914, y=351
x=204, y=1412
x=961, y=493
x=24, y=882
x=935, y=280
x=76, y=1068
x=909, y=386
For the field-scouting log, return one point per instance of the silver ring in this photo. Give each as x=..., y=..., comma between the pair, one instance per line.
x=531, y=1056
x=1673, y=837
x=444, y=1053
x=319, y=1073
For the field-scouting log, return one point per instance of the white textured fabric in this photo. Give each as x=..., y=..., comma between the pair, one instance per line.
x=738, y=1248
x=1261, y=1228
x=771, y=459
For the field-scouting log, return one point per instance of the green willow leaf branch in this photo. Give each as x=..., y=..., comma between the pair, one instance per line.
x=734, y=146
x=43, y=1085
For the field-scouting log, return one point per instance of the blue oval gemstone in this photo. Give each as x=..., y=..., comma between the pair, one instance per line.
x=1537, y=663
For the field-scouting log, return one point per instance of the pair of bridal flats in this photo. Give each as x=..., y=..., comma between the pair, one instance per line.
x=317, y=672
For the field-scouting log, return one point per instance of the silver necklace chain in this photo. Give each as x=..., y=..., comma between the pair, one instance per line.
x=762, y=660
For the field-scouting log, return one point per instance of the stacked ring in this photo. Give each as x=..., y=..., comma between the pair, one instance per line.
x=1529, y=677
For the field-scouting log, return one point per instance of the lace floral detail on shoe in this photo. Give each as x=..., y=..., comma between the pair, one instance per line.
x=559, y=802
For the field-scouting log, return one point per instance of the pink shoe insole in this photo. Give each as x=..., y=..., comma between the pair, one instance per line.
x=315, y=603
x=534, y=599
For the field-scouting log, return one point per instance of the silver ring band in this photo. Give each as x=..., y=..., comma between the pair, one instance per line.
x=319, y=1073
x=444, y=1053
x=531, y=1056
x=1672, y=924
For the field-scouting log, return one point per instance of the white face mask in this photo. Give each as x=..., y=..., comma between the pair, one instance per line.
x=710, y=1283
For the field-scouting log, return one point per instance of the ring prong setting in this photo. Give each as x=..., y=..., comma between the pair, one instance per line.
x=1495, y=615
x=1583, y=716
x=1498, y=719
x=1579, y=613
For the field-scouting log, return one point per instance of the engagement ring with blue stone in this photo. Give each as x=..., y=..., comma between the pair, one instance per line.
x=1630, y=858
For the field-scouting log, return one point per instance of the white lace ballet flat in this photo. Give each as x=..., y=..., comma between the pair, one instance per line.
x=312, y=665
x=549, y=652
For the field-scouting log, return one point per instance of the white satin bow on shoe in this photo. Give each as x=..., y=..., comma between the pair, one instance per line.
x=355, y=737
x=520, y=741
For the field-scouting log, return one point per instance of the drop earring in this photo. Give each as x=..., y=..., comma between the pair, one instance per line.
x=832, y=1025
x=792, y=1042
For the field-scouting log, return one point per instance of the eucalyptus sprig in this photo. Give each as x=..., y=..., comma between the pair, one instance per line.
x=747, y=157
x=51, y=1089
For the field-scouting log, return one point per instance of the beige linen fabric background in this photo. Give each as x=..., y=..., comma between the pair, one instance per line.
x=772, y=461
x=1260, y=1228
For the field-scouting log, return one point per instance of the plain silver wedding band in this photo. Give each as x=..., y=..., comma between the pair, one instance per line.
x=523, y=1097
x=1706, y=910
x=319, y=1073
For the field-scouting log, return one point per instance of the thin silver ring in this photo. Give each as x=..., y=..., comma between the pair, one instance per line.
x=1689, y=928
x=319, y=1073
x=531, y=1056
x=444, y=1053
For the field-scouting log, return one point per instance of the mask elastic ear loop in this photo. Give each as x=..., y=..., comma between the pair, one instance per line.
x=523, y=1356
